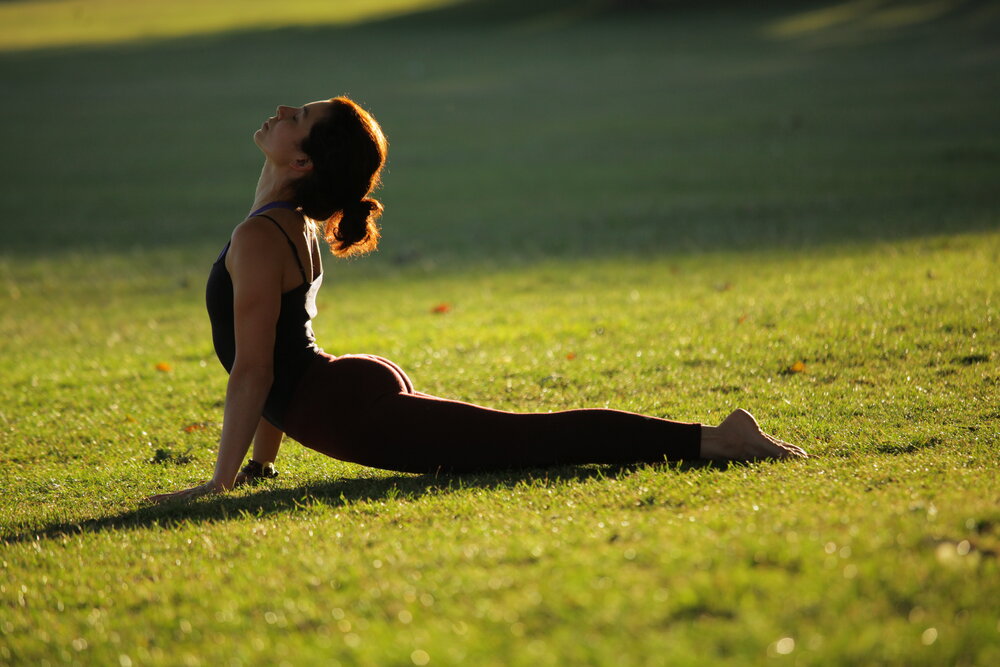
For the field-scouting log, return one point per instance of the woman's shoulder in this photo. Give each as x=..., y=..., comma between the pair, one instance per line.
x=256, y=239
x=259, y=228
x=269, y=225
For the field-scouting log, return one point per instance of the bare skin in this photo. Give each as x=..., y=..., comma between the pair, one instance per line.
x=740, y=438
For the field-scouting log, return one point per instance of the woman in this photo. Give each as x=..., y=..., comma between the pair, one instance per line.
x=321, y=161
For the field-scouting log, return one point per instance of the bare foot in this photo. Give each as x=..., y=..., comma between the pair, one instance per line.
x=739, y=438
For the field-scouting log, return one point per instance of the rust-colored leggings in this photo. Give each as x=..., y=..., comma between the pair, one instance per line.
x=363, y=409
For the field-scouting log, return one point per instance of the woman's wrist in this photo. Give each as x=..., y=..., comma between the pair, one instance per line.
x=219, y=485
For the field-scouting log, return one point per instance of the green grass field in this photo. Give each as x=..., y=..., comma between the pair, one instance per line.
x=661, y=211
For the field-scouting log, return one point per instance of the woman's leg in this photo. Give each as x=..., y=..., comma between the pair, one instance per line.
x=425, y=434
x=363, y=409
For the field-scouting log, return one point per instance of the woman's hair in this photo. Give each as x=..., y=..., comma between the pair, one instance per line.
x=347, y=150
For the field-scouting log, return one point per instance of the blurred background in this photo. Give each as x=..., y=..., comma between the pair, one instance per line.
x=519, y=129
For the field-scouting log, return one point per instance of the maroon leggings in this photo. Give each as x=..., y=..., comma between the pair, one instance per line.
x=363, y=408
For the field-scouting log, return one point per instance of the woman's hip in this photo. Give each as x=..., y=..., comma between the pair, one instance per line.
x=337, y=394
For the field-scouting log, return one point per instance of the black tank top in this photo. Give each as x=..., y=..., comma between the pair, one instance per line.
x=294, y=342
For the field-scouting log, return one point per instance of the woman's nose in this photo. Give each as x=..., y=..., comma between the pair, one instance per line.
x=282, y=110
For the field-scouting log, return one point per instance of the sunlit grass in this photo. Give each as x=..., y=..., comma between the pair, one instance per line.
x=666, y=213
x=866, y=14
x=29, y=24
x=894, y=525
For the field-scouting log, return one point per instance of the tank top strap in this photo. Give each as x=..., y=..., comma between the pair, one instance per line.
x=291, y=244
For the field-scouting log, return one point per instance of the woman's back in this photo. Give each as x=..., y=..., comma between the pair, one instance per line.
x=294, y=342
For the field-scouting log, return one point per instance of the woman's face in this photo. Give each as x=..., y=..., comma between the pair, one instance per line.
x=281, y=136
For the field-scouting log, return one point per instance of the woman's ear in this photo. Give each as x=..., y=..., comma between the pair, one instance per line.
x=302, y=163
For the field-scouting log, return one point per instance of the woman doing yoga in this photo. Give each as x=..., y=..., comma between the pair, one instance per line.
x=321, y=163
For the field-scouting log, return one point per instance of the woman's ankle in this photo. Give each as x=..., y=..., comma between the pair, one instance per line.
x=712, y=444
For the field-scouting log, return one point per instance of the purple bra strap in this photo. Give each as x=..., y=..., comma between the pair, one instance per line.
x=275, y=204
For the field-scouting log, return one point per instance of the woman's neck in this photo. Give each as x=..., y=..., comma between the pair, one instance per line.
x=273, y=185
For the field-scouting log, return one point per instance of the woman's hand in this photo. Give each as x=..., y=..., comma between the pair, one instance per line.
x=203, y=489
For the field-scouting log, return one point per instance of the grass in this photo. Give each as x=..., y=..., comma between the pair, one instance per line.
x=657, y=212
x=28, y=24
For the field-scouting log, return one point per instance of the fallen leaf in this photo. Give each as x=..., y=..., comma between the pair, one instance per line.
x=741, y=319
x=571, y=356
x=441, y=308
x=797, y=367
x=191, y=428
x=164, y=367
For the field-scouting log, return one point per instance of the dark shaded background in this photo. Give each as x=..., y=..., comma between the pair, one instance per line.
x=527, y=129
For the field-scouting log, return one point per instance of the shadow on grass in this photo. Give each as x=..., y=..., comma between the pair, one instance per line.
x=335, y=493
x=909, y=448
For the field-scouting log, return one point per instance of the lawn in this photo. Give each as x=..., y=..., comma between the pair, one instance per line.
x=790, y=208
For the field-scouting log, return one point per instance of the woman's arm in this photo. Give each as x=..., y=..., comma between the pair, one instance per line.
x=256, y=270
x=266, y=442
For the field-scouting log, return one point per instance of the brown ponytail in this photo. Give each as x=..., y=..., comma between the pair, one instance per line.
x=347, y=149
